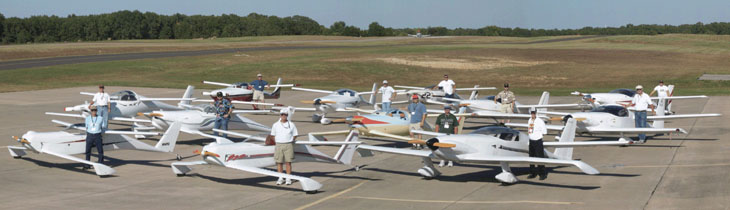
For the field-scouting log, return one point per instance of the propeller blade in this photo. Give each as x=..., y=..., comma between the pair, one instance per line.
x=415, y=141
x=155, y=114
x=465, y=104
x=444, y=145
x=556, y=118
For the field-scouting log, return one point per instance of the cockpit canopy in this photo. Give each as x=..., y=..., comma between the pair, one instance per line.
x=124, y=95
x=346, y=92
x=397, y=112
x=241, y=84
x=612, y=109
x=207, y=108
x=627, y=92
x=504, y=133
x=491, y=98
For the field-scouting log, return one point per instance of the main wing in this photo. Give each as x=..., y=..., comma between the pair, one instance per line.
x=307, y=183
x=313, y=90
x=485, y=158
x=681, y=116
x=410, y=152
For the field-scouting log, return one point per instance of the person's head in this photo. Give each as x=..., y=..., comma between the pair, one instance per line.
x=284, y=114
x=101, y=88
x=506, y=86
x=93, y=111
x=661, y=82
x=414, y=98
x=259, y=76
x=639, y=89
x=385, y=83
x=446, y=77
x=219, y=95
x=447, y=109
x=533, y=112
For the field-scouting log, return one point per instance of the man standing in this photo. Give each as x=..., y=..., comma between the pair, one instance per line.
x=447, y=86
x=535, y=131
x=258, y=86
x=284, y=132
x=447, y=123
x=418, y=116
x=388, y=96
x=507, y=100
x=223, y=113
x=93, y=135
x=641, y=103
x=661, y=90
x=102, y=102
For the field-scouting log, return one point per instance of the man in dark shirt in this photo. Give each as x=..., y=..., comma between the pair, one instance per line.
x=258, y=86
x=447, y=123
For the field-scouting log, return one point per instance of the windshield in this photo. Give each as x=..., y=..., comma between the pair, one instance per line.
x=124, y=95
x=614, y=110
x=240, y=84
x=398, y=113
x=627, y=92
x=207, y=108
x=503, y=133
x=346, y=92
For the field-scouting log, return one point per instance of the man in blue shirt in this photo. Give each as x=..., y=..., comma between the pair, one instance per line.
x=223, y=113
x=418, y=115
x=258, y=86
x=94, y=127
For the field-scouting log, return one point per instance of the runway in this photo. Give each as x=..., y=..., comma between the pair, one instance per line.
x=687, y=172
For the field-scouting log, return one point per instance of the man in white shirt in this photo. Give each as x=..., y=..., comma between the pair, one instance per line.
x=447, y=86
x=284, y=132
x=535, y=131
x=388, y=96
x=641, y=103
x=661, y=90
x=102, y=102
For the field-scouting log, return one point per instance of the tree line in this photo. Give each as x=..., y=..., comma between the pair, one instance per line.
x=137, y=25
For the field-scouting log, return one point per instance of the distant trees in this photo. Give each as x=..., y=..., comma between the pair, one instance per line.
x=137, y=25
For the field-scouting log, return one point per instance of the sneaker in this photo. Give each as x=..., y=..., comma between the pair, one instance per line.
x=288, y=181
x=280, y=181
x=451, y=163
x=543, y=177
x=441, y=164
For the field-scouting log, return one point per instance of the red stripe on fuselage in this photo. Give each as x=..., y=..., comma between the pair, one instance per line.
x=367, y=121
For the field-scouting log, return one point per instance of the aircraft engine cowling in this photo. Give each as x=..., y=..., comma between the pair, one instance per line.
x=430, y=143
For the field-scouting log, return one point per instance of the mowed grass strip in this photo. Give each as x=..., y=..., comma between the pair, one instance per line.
x=564, y=68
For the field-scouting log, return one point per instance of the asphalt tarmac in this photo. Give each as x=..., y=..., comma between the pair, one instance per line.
x=682, y=172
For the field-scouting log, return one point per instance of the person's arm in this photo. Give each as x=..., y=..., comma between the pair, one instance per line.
x=108, y=103
x=438, y=122
x=295, y=132
x=92, y=101
x=230, y=110
x=423, y=116
x=652, y=92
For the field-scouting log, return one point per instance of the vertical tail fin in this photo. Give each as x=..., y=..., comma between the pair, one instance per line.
x=344, y=155
x=659, y=112
x=474, y=93
x=372, y=96
x=544, y=100
x=167, y=142
x=568, y=135
x=188, y=94
x=277, y=90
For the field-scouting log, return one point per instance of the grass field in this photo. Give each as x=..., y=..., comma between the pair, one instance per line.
x=595, y=64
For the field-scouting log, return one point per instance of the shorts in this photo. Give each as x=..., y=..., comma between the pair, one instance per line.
x=284, y=152
x=415, y=126
x=506, y=108
x=258, y=95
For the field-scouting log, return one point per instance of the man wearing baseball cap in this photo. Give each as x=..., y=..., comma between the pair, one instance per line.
x=418, y=115
x=94, y=127
x=102, y=102
x=641, y=103
x=258, y=86
x=507, y=100
x=447, y=123
x=284, y=132
x=388, y=96
x=535, y=130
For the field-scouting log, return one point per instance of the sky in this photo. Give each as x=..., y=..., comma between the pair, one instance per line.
x=539, y=14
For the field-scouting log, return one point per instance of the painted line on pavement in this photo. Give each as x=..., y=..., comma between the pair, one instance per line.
x=331, y=196
x=464, y=202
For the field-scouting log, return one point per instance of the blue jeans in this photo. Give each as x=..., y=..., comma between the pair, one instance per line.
x=94, y=139
x=450, y=95
x=386, y=107
x=640, y=118
x=222, y=124
x=103, y=111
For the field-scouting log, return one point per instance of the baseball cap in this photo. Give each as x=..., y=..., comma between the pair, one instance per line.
x=414, y=97
x=639, y=87
x=219, y=94
x=385, y=81
x=447, y=107
x=259, y=75
x=533, y=110
x=101, y=86
x=93, y=108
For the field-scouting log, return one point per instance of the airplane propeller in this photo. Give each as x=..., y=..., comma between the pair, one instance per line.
x=317, y=102
x=432, y=143
x=206, y=153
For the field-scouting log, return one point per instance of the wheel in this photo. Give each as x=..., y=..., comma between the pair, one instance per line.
x=180, y=175
x=178, y=157
x=311, y=192
x=357, y=168
x=17, y=157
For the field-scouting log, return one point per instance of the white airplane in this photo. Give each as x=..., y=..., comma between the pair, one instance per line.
x=126, y=104
x=337, y=100
x=429, y=94
x=252, y=158
x=617, y=119
x=419, y=35
x=494, y=145
x=64, y=144
x=241, y=91
x=625, y=96
x=487, y=108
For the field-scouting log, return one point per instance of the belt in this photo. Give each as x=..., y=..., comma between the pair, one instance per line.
x=101, y=106
x=641, y=111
